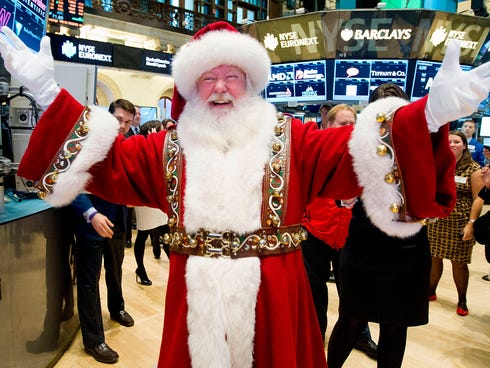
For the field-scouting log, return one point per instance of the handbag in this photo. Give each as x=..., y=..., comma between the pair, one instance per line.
x=481, y=228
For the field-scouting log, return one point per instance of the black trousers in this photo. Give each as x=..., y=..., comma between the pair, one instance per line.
x=317, y=257
x=89, y=255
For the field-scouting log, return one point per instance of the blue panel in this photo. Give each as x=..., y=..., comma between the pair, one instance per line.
x=444, y=5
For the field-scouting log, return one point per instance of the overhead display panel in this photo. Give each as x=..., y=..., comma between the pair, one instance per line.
x=295, y=38
x=372, y=34
x=69, y=12
x=299, y=82
x=354, y=80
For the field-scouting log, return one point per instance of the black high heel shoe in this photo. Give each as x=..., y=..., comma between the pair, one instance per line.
x=143, y=278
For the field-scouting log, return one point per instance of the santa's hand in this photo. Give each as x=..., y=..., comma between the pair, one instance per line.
x=35, y=71
x=455, y=94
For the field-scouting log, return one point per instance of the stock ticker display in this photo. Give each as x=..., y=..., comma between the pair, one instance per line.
x=27, y=18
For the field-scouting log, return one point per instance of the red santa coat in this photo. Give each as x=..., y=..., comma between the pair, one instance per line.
x=285, y=330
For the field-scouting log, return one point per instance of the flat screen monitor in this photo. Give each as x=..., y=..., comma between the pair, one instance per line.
x=299, y=82
x=354, y=80
x=27, y=18
x=423, y=76
x=485, y=127
x=148, y=113
x=69, y=12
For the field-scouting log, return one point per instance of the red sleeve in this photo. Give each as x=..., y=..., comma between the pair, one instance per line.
x=426, y=161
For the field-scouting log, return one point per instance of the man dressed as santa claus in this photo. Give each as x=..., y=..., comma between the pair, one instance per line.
x=234, y=178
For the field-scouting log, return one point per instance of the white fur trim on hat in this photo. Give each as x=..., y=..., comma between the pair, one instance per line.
x=217, y=48
x=370, y=168
x=103, y=129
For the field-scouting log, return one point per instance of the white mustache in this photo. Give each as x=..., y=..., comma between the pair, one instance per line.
x=221, y=97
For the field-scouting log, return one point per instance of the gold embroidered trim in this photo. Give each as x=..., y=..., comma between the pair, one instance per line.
x=65, y=155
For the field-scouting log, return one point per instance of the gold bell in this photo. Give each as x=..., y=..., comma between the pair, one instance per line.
x=395, y=207
x=390, y=178
x=276, y=147
x=275, y=220
x=304, y=235
x=381, y=150
x=278, y=130
x=168, y=175
x=41, y=194
x=380, y=117
x=171, y=222
x=193, y=243
x=276, y=167
x=166, y=238
x=82, y=129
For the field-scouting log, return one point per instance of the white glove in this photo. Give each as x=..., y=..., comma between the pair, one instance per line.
x=34, y=71
x=455, y=94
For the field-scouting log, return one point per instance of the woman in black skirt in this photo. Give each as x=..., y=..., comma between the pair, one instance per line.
x=383, y=279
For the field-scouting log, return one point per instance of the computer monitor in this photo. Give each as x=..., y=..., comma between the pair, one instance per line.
x=355, y=79
x=297, y=82
x=423, y=76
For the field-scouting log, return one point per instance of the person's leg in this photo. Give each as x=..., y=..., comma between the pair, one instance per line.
x=391, y=345
x=129, y=226
x=461, y=276
x=165, y=230
x=344, y=335
x=113, y=259
x=435, y=276
x=89, y=263
x=316, y=257
x=139, y=252
x=155, y=242
x=139, y=248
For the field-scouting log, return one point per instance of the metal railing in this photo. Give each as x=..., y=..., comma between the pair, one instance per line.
x=151, y=13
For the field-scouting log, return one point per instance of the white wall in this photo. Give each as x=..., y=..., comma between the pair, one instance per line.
x=140, y=88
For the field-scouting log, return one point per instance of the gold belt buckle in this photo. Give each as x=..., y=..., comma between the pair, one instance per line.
x=217, y=245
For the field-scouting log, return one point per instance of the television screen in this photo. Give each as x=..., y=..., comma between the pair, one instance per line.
x=148, y=113
x=299, y=82
x=354, y=80
x=423, y=76
x=27, y=18
x=69, y=12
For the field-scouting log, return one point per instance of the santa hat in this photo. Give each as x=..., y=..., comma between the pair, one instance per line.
x=218, y=44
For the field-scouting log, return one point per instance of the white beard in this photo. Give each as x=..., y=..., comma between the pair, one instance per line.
x=225, y=157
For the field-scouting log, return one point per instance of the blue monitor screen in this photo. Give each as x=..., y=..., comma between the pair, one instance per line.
x=27, y=18
x=148, y=113
x=354, y=80
x=302, y=81
x=423, y=76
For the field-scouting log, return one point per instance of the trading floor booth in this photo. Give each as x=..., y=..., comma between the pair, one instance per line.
x=38, y=315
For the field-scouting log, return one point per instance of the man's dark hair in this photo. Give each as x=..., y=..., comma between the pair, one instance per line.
x=387, y=90
x=123, y=104
x=147, y=127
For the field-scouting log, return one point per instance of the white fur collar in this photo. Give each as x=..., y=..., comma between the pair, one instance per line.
x=225, y=166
